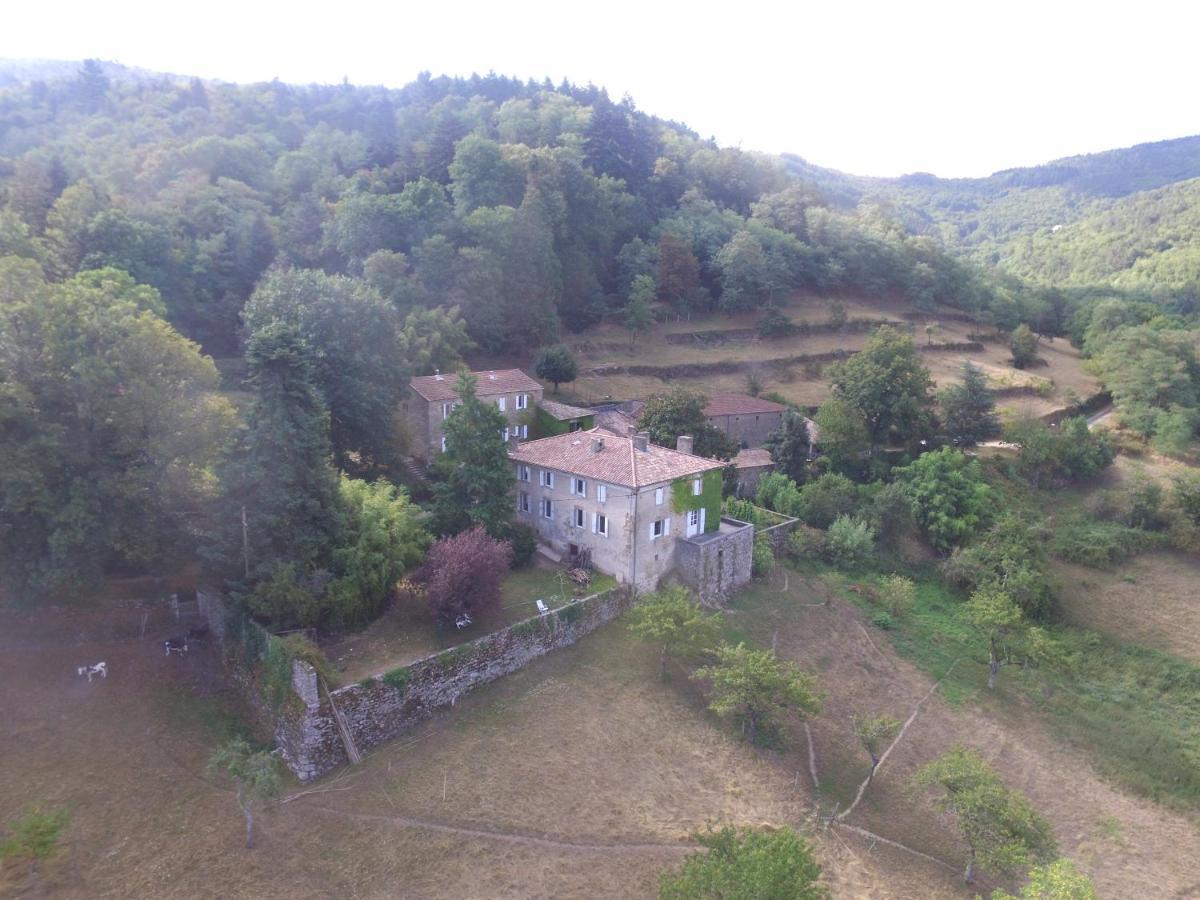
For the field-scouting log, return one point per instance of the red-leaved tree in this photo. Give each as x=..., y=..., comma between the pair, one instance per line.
x=463, y=573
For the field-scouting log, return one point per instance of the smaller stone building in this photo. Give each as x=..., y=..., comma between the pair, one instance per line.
x=431, y=397
x=745, y=420
x=751, y=466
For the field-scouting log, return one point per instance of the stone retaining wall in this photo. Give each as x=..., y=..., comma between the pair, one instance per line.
x=379, y=708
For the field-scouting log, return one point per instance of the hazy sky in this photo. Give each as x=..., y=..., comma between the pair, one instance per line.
x=961, y=88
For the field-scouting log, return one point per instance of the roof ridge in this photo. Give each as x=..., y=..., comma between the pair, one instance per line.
x=633, y=463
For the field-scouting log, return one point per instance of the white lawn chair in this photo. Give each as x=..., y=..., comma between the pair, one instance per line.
x=543, y=609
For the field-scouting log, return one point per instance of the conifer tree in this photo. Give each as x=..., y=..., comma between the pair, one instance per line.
x=477, y=477
x=968, y=409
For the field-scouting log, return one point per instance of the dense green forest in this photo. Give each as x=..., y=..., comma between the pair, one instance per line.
x=532, y=207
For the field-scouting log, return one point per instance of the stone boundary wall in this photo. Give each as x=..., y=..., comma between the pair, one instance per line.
x=383, y=706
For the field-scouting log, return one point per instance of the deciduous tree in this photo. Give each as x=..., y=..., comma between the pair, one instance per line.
x=556, y=364
x=742, y=864
x=790, y=445
x=1003, y=832
x=670, y=619
x=463, y=573
x=681, y=412
x=887, y=384
x=755, y=688
x=255, y=774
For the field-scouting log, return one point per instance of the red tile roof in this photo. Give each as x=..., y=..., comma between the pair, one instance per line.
x=617, y=462
x=753, y=458
x=740, y=405
x=502, y=381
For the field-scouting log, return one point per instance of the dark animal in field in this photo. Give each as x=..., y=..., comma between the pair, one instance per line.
x=176, y=645
x=100, y=668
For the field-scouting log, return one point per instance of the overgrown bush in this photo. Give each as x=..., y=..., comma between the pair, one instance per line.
x=891, y=515
x=824, y=500
x=950, y=499
x=807, y=543
x=1009, y=557
x=849, y=541
x=462, y=574
x=1138, y=503
x=762, y=560
x=741, y=864
x=523, y=540
x=1099, y=544
x=1047, y=456
x=774, y=323
x=743, y=511
x=897, y=594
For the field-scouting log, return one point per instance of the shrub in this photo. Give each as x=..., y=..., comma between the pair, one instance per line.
x=849, y=541
x=1099, y=544
x=883, y=619
x=743, y=511
x=897, y=594
x=807, y=543
x=1136, y=504
x=742, y=864
x=397, y=679
x=462, y=574
x=822, y=501
x=774, y=323
x=950, y=499
x=891, y=515
x=762, y=560
x=523, y=540
x=1047, y=456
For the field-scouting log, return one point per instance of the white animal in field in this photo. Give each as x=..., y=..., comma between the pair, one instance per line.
x=462, y=621
x=100, y=668
x=175, y=645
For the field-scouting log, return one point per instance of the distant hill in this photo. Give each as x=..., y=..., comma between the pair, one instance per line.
x=1095, y=218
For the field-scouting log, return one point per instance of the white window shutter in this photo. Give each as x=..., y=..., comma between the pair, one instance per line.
x=666, y=526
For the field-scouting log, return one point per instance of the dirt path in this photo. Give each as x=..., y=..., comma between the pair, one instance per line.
x=1129, y=846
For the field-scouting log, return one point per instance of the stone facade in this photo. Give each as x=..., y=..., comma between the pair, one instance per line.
x=639, y=546
x=380, y=708
x=717, y=563
x=424, y=416
x=748, y=429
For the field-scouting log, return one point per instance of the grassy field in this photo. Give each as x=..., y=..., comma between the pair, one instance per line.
x=407, y=631
x=1079, y=746
x=581, y=776
x=606, y=346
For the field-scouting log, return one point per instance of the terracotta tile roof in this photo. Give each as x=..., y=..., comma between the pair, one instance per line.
x=740, y=405
x=753, y=458
x=564, y=411
x=617, y=462
x=502, y=381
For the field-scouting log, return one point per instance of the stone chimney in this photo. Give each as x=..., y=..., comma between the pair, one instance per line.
x=597, y=444
x=641, y=441
x=684, y=443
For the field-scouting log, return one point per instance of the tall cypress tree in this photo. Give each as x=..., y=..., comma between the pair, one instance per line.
x=283, y=478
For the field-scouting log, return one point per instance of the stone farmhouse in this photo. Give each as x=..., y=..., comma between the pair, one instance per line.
x=431, y=397
x=643, y=511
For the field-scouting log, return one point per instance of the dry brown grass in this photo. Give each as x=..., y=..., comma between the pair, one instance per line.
x=1151, y=600
x=607, y=345
x=579, y=777
x=1129, y=846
